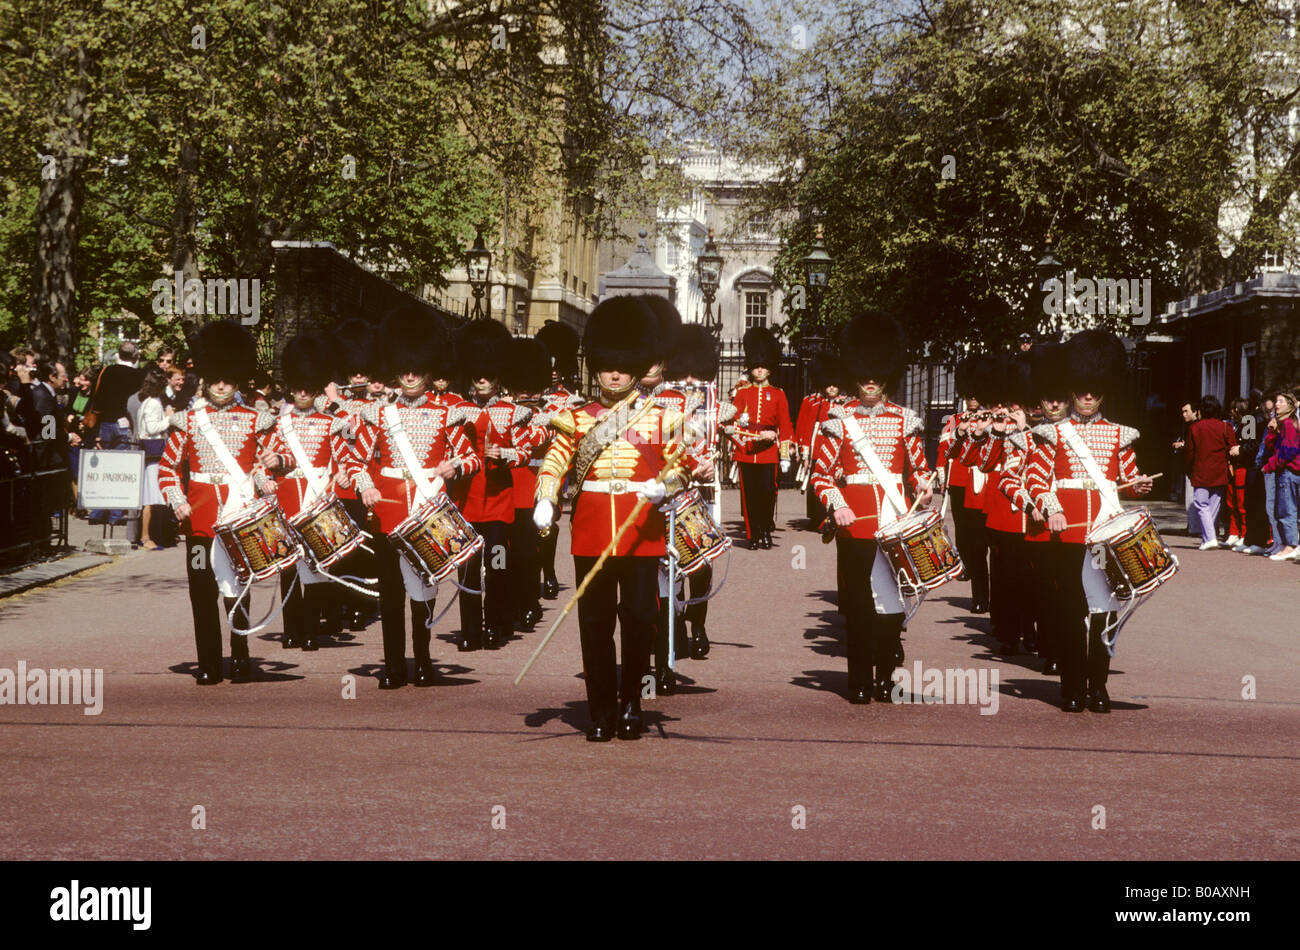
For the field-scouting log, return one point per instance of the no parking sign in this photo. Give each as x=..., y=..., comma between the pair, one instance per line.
x=110, y=479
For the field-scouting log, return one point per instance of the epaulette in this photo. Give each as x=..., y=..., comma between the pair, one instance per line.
x=370, y=412
x=1019, y=441
x=912, y=424
x=1045, y=432
x=1127, y=436
x=462, y=414
x=265, y=420
x=542, y=419
x=834, y=428
x=521, y=416
x=836, y=412
x=726, y=412
x=339, y=424
x=563, y=421
x=179, y=420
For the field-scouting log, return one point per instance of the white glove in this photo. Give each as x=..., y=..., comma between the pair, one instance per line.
x=785, y=466
x=543, y=513
x=654, y=492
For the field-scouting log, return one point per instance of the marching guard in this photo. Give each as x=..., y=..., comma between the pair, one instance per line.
x=763, y=436
x=824, y=373
x=1075, y=476
x=561, y=341
x=871, y=453
x=966, y=484
x=432, y=437
x=218, y=441
x=307, y=434
x=617, y=451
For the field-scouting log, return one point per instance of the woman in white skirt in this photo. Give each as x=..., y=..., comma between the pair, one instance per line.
x=151, y=430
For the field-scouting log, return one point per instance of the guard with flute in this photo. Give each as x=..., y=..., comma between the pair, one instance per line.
x=622, y=461
x=868, y=459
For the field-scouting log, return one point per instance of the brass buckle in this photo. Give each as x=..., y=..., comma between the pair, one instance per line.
x=617, y=486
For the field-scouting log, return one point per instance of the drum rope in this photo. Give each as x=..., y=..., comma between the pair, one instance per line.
x=713, y=591
x=265, y=621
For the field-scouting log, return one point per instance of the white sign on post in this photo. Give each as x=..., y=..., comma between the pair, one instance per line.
x=111, y=479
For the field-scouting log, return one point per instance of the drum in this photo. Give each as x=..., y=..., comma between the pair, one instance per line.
x=436, y=539
x=327, y=530
x=697, y=539
x=918, y=549
x=258, y=540
x=1137, y=561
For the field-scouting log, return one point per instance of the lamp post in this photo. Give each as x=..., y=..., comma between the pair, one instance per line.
x=817, y=273
x=709, y=271
x=1047, y=270
x=478, y=268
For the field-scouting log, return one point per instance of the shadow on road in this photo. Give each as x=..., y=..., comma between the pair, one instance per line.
x=825, y=681
x=264, y=671
x=446, y=674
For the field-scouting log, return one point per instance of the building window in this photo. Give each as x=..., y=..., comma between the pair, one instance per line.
x=1214, y=366
x=755, y=308
x=1247, y=369
x=671, y=255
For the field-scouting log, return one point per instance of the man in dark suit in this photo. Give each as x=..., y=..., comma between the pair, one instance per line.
x=47, y=428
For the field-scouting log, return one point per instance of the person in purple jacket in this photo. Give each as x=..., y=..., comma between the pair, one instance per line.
x=1282, y=460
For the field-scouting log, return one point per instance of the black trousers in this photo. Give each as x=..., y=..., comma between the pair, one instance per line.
x=525, y=582
x=1085, y=664
x=1256, y=513
x=697, y=585
x=546, y=551
x=625, y=591
x=972, y=544
x=758, y=497
x=392, y=609
x=872, y=638
x=1045, y=596
x=1010, y=587
x=815, y=509
x=498, y=609
x=203, y=605
x=302, y=611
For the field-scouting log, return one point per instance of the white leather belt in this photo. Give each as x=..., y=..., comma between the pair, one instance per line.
x=614, y=486
x=316, y=472
x=866, y=478
x=403, y=473
x=1086, y=483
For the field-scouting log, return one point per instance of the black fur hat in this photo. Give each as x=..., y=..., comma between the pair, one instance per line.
x=527, y=367
x=1013, y=380
x=411, y=339
x=620, y=335
x=667, y=324
x=308, y=361
x=1096, y=362
x=761, y=348
x=561, y=341
x=977, y=377
x=826, y=369
x=1047, y=371
x=872, y=346
x=354, y=347
x=481, y=349
x=696, y=354
x=224, y=350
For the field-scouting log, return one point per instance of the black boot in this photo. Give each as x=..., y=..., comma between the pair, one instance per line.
x=859, y=695
x=665, y=682
x=391, y=678
x=1051, y=668
x=532, y=616
x=551, y=590
x=207, y=678
x=1099, y=700
x=493, y=638
x=602, y=730
x=1072, y=704
x=629, y=720
x=309, y=643
x=241, y=671
x=699, y=642
x=469, y=641
x=424, y=672
x=289, y=641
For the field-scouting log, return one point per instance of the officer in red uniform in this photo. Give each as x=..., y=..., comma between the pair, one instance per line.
x=501, y=438
x=224, y=354
x=762, y=410
x=409, y=342
x=975, y=377
x=873, y=351
x=561, y=341
x=1062, y=488
x=614, y=449
x=526, y=376
x=307, y=363
x=824, y=373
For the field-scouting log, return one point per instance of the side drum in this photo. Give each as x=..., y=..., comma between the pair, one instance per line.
x=258, y=540
x=1137, y=561
x=697, y=539
x=327, y=531
x=436, y=539
x=918, y=548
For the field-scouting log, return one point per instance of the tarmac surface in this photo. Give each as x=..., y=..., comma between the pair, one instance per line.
x=759, y=757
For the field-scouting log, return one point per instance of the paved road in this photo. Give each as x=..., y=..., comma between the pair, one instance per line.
x=285, y=767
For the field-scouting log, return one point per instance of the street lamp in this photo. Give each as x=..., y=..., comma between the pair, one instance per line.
x=709, y=270
x=817, y=272
x=478, y=267
x=1047, y=270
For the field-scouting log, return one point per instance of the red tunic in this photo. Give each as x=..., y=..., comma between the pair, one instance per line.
x=1058, y=482
x=239, y=428
x=958, y=474
x=351, y=410
x=324, y=443
x=491, y=495
x=758, y=407
x=897, y=436
x=436, y=433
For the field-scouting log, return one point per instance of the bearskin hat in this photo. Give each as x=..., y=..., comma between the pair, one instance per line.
x=667, y=323
x=872, y=346
x=561, y=341
x=826, y=369
x=1095, y=361
x=308, y=361
x=481, y=349
x=1047, y=371
x=695, y=355
x=411, y=339
x=354, y=347
x=761, y=348
x=1013, y=380
x=224, y=350
x=977, y=377
x=527, y=367
x=620, y=334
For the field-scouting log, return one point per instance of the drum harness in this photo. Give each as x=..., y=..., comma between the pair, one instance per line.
x=317, y=485
x=243, y=492
x=426, y=489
